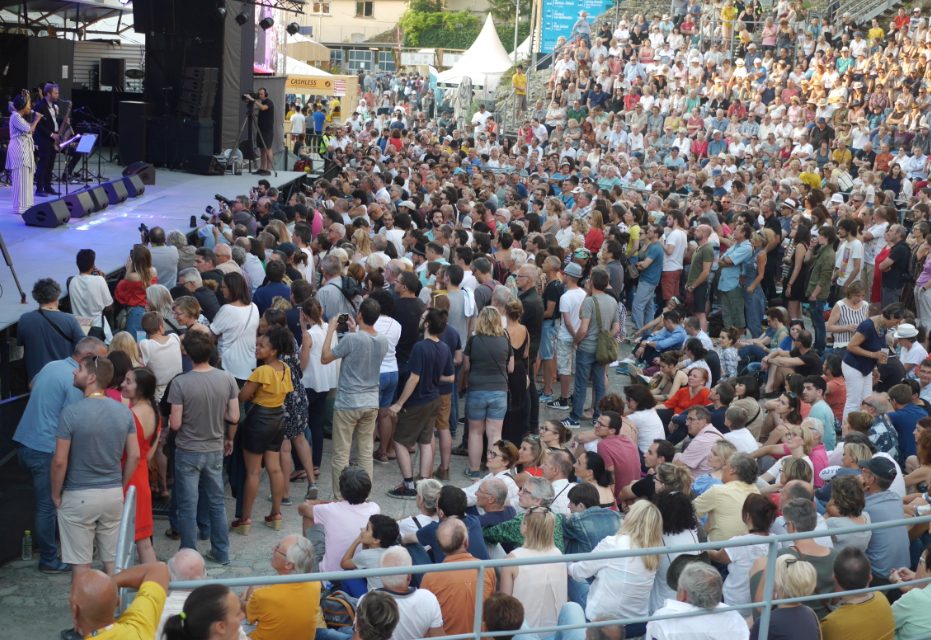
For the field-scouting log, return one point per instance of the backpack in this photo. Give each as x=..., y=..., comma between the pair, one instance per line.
x=339, y=609
x=351, y=289
x=606, y=348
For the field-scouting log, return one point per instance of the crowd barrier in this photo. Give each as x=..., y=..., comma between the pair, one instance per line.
x=773, y=542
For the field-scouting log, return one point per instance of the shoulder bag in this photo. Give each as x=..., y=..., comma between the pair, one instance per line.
x=606, y=349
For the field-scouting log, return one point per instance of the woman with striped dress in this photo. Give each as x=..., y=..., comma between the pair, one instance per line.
x=847, y=314
x=20, y=155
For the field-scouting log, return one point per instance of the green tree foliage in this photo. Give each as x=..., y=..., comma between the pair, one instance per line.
x=453, y=30
x=503, y=11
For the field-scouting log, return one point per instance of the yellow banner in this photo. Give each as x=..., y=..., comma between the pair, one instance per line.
x=308, y=84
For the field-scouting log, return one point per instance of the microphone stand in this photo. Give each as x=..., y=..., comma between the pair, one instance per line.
x=9, y=263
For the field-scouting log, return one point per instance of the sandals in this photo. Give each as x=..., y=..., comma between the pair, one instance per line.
x=380, y=456
x=242, y=526
x=274, y=521
x=297, y=476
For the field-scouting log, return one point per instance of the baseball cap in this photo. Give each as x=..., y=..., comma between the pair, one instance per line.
x=573, y=270
x=880, y=466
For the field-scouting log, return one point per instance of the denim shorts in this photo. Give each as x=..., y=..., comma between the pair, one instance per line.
x=387, y=383
x=486, y=405
x=548, y=340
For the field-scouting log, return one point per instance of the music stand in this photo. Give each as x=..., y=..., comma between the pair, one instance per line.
x=85, y=148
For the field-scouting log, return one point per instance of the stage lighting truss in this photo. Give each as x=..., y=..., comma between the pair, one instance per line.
x=291, y=6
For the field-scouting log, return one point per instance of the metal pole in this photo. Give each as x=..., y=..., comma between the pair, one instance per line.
x=516, y=23
x=768, y=583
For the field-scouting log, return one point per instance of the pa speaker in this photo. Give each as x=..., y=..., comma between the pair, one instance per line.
x=116, y=191
x=80, y=204
x=205, y=166
x=49, y=214
x=99, y=196
x=144, y=170
x=134, y=186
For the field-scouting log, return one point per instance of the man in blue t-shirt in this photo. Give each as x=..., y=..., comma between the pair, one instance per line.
x=452, y=503
x=905, y=419
x=431, y=365
x=649, y=262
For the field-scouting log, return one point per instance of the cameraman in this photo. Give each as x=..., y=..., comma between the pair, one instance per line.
x=265, y=122
x=164, y=257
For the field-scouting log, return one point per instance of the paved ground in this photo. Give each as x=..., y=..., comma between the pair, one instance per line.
x=35, y=605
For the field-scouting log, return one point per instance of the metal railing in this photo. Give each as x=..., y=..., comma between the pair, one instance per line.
x=126, y=542
x=766, y=604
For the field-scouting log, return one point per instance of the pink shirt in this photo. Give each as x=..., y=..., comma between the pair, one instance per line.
x=341, y=524
x=695, y=456
x=819, y=461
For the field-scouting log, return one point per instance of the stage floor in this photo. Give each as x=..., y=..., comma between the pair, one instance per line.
x=50, y=253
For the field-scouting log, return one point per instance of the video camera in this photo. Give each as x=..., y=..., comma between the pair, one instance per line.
x=144, y=232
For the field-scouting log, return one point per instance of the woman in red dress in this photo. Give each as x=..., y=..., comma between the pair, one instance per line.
x=139, y=388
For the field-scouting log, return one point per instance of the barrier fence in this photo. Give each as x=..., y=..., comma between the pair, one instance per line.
x=766, y=604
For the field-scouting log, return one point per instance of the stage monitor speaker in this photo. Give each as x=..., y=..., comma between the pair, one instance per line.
x=116, y=191
x=144, y=170
x=99, y=196
x=49, y=214
x=205, y=166
x=80, y=204
x=134, y=186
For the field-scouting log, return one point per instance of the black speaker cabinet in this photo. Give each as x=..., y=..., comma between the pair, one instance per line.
x=99, y=196
x=144, y=170
x=116, y=191
x=80, y=204
x=132, y=130
x=134, y=186
x=205, y=166
x=49, y=214
x=112, y=71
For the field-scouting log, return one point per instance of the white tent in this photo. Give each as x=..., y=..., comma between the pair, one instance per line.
x=523, y=52
x=484, y=62
x=294, y=67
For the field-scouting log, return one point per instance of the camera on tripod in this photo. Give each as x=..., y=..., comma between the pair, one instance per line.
x=250, y=96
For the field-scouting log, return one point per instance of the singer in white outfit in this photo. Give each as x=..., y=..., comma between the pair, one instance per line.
x=20, y=155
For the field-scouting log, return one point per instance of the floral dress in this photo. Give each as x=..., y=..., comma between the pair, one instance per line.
x=295, y=403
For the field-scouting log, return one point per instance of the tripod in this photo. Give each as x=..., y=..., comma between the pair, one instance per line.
x=248, y=123
x=9, y=263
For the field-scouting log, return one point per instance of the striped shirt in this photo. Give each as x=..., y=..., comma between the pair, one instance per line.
x=849, y=316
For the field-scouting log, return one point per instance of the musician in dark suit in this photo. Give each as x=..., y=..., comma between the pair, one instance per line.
x=47, y=138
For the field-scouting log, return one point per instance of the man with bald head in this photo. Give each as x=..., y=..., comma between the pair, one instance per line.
x=491, y=498
x=95, y=596
x=185, y=565
x=456, y=590
x=225, y=262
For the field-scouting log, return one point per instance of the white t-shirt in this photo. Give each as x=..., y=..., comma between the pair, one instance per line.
x=916, y=355
x=847, y=252
x=409, y=524
x=570, y=302
x=318, y=376
x=391, y=329
x=236, y=328
x=297, y=123
x=874, y=246
x=163, y=359
x=674, y=261
x=89, y=296
x=776, y=469
x=743, y=440
x=649, y=427
x=737, y=585
x=341, y=523
x=419, y=611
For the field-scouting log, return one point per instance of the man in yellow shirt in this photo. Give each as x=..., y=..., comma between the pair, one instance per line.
x=724, y=502
x=95, y=596
x=519, y=83
x=286, y=610
x=867, y=615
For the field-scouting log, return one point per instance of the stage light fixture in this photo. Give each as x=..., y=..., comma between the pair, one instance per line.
x=221, y=8
x=293, y=28
x=125, y=2
x=241, y=19
x=267, y=23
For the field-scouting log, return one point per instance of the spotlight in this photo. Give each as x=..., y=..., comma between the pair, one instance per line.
x=266, y=23
x=221, y=8
x=293, y=28
x=241, y=19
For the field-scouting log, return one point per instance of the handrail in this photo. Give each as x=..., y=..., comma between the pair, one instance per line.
x=773, y=542
x=126, y=541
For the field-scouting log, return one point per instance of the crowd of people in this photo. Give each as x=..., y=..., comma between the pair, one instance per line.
x=742, y=234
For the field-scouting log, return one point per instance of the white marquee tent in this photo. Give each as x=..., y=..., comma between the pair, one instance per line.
x=484, y=62
x=295, y=67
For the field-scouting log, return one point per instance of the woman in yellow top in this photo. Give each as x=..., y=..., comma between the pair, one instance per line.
x=262, y=431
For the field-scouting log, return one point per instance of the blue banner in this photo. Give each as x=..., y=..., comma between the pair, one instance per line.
x=559, y=16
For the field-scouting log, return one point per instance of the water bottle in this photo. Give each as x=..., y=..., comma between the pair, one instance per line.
x=27, y=545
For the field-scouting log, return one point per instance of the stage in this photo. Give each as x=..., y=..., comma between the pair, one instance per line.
x=50, y=253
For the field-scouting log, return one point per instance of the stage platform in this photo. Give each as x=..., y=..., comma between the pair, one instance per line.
x=50, y=253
